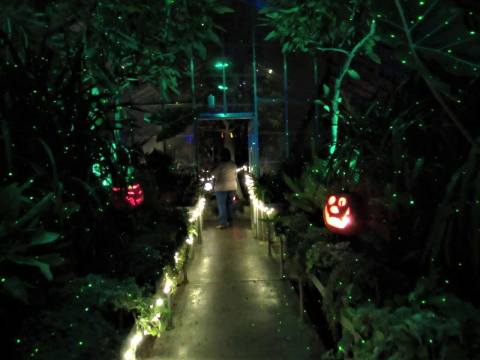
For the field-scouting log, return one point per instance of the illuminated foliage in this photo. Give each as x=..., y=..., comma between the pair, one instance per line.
x=66, y=72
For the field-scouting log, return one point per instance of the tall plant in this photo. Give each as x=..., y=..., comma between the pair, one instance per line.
x=315, y=26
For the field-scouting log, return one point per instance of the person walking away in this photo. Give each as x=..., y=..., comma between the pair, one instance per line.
x=225, y=186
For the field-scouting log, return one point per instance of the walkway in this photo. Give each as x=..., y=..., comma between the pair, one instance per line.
x=235, y=306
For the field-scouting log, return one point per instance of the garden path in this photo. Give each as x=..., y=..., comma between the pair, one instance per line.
x=235, y=306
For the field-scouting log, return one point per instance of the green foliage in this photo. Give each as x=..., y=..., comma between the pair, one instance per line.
x=458, y=215
x=426, y=326
x=119, y=45
x=432, y=37
x=23, y=239
x=69, y=73
x=86, y=314
x=314, y=24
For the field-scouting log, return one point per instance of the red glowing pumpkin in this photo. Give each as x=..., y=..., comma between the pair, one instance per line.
x=131, y=196
x=134, y=195
x=344, y=214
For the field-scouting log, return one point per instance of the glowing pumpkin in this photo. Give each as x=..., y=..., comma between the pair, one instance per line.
x=134, y=195
x=344, y=214
x=131, y=196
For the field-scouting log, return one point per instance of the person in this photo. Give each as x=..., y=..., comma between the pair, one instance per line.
x=225, y=186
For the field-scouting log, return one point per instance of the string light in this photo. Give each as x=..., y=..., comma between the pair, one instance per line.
x=133, y=345
x=256, y=202
x=167, y=288
x=169, y=281
x=197, y=210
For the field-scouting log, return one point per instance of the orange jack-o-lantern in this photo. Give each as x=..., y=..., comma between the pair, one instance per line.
x=344, y=214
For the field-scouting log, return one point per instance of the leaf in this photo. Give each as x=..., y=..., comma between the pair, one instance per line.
x=35, y=211
x=286, y=48
x=10, y=202
x=44, y=237
x=353, y=74
x=374, y=57
x=326, y=89
x=223, y=10
x=202, y=50
x=43, y=267
x=271, y=35
x=16, y=288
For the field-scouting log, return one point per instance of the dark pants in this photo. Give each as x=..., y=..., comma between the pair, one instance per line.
x=224, y=202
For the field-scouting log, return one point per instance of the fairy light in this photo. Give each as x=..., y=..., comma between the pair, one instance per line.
x=243, y=168
x=197, y=210
x=168, y=287
x=159, y=302
x=208, y=186
x=132, y=346
x=257, y=203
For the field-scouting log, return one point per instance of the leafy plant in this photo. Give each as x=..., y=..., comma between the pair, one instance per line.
x=23, y=239
x=431, y=38
x=427, y=326
x=91, y=316
x=327, y=31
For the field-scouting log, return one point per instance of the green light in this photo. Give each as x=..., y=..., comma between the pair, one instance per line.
x=18, y=341
x=130, y=171
x=107, y=181
x=96, y=170
x=221, y=87
x=221, y=65
x=95, y=91
x=421, y=3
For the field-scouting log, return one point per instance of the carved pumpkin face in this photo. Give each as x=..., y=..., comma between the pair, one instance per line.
x=342, y=214
x=134, y=195
x=131, y=196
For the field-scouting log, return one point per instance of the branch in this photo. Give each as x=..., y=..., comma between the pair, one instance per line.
x=339, y=80
x=345, y=52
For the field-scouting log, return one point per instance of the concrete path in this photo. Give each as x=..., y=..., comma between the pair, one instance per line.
x=235, y=306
